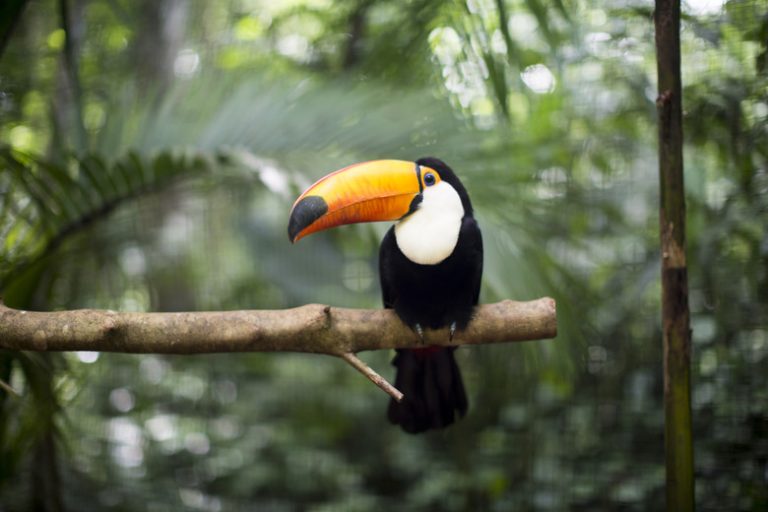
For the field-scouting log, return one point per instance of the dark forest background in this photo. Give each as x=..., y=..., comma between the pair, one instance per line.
x=149, y=155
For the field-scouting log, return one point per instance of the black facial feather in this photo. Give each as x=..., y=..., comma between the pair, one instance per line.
x=447, y=175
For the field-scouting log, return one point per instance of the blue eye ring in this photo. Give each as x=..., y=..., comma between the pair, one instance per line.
x=429, y=179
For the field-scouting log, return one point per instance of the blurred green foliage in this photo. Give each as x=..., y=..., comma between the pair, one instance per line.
x=150, y=154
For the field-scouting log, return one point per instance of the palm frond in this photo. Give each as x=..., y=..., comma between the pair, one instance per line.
x=45, y=202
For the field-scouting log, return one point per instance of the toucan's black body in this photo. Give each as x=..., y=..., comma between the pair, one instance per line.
x=432, y=296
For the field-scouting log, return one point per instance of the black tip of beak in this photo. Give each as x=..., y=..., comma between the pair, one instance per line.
x=306, y=211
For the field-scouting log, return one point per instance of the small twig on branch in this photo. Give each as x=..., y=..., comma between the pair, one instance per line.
x=8, y=389
x=313, y=328
x=374, y=377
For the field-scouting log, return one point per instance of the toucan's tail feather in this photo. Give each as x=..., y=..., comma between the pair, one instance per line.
x=434, y=392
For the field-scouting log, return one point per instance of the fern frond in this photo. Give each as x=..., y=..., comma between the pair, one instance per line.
x=42, y=203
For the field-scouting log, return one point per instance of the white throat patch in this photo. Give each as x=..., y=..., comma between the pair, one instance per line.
x=429, y=235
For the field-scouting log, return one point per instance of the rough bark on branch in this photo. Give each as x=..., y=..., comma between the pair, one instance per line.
x=312, y=328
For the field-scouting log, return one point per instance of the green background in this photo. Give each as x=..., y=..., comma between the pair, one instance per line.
x=149, y=155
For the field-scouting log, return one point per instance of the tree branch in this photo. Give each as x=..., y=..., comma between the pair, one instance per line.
x=313, y=328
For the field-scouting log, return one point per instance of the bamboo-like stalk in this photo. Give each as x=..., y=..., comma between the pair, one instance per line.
x=674, y=271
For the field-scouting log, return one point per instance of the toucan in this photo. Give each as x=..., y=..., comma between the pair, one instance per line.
x=430, y=267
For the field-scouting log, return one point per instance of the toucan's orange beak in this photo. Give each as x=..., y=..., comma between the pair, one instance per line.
x=365, y=192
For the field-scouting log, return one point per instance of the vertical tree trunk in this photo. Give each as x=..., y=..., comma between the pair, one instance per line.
x=674, y=272
x=161, y=36
x=10, y=12
x=70, y=92
x=46, y=482
x=357, y=25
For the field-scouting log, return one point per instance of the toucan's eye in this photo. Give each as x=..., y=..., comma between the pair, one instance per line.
x=429, y=179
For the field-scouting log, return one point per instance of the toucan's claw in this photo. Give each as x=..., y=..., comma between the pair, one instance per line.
x=452, y=331
x=420, y=332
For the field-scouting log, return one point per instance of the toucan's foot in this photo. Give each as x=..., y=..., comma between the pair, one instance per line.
x=452, y=331
x=420, y=332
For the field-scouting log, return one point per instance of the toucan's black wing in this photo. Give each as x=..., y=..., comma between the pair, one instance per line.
x=474, y=240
